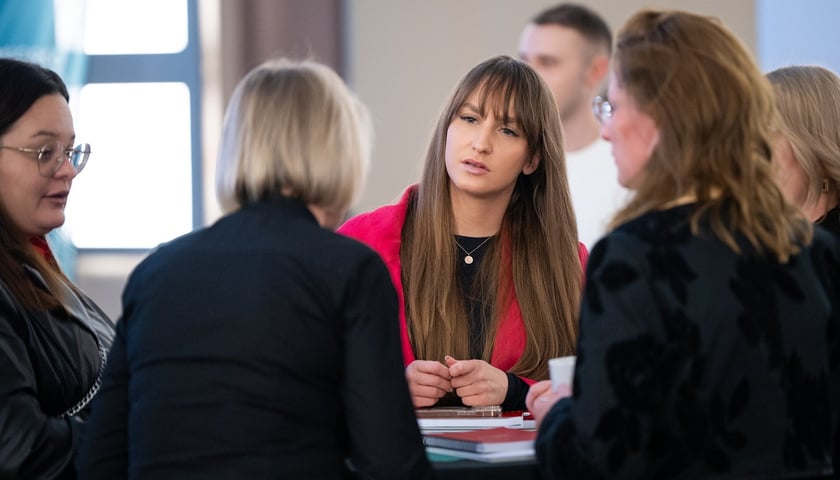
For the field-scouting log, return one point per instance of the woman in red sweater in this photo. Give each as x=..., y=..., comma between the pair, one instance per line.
x=484, y=250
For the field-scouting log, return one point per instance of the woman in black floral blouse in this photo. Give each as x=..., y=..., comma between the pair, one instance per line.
x=708, y=330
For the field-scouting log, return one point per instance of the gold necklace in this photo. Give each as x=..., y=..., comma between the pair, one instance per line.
x=468, y=259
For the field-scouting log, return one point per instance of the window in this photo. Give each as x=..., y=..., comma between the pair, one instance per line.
x=139, y=176
x=140, y=111
x=135, y=27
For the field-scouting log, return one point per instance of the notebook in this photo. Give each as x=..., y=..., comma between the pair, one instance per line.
x=492, y=440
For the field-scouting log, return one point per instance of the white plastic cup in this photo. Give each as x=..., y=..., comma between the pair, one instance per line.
x=561, y=370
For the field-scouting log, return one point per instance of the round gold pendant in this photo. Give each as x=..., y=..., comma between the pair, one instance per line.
x=468, y=259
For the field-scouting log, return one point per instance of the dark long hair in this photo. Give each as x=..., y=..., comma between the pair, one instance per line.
x=21, y=85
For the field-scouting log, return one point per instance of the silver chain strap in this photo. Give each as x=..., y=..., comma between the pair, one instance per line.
x=95, y=388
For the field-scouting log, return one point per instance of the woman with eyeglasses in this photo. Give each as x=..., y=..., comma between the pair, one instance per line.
x=709, y=324
x=53, y=338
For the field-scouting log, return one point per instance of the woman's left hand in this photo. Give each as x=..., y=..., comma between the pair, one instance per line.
x=477, y=382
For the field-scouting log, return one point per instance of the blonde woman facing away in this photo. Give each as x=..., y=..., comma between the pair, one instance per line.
x=708, y=329
x=266, y=345
x=807, y=149
x=484, y=251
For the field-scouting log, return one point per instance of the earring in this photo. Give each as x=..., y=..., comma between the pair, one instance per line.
x=824, y=185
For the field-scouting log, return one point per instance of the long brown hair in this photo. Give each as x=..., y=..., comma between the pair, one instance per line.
x=16, y=253
x=714, y=111
x=21, y=85
x=536, y=258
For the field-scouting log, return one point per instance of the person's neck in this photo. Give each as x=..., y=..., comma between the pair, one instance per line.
x=580, y=130
x=478, y=217
x=326, y=218
x=817, y=210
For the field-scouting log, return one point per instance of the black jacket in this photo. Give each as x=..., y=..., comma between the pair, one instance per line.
x=48, y=363
x=263, y=346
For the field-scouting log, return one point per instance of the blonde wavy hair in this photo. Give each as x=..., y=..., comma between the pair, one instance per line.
x=808, y=99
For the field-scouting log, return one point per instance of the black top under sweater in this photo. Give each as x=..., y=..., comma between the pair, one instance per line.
x=480, y=314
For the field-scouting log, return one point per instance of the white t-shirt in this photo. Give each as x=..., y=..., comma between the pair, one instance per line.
x=596, y=193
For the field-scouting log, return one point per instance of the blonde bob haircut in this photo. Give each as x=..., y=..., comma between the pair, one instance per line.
x=293, y=129
x=808, y=99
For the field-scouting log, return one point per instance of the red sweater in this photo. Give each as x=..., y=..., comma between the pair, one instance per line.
x=381, y=230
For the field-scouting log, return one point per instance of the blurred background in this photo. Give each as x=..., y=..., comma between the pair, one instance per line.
x=150, y=79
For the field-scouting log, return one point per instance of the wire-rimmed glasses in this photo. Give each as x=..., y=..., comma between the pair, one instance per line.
x=602, y=109
x=52, y=155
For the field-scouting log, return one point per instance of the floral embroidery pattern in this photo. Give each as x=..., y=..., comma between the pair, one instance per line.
x=695, y=360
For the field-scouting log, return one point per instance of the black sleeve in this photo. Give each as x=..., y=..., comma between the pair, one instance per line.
x=104, y=452
x=32, y=445
x=385, y=438
x=516, y=393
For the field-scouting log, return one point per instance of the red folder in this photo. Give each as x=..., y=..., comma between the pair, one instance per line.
x=498, y=439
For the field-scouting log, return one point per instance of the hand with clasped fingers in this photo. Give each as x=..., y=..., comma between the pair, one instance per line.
x=477, y=382
x=541, y=397
x=428, y=381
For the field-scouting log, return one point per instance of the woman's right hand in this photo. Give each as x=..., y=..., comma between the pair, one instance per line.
x=541, y=397
x=428, y=381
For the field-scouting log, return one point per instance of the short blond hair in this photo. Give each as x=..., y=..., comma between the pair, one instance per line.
x=293, y=129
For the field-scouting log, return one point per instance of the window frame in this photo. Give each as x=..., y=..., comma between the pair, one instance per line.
x=183, y=67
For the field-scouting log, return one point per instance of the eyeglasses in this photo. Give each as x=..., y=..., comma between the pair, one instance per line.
x=51, y=156
x=602, y=109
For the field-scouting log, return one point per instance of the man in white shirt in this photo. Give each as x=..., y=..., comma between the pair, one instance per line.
x=569, y=45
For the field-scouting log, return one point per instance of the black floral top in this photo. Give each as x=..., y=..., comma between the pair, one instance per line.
x=697, y=362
